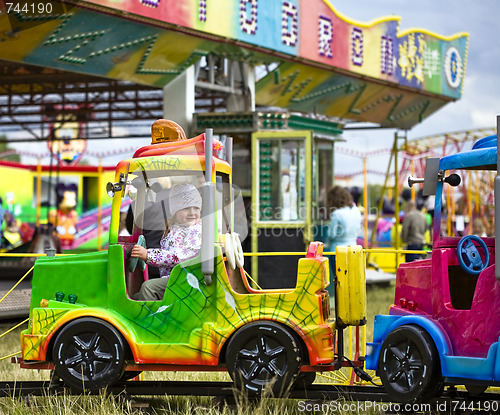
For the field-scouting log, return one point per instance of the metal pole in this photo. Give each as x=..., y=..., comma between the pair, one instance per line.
x=39, y=191
x=497, y=208
x=99, y=204
x=476, y=195
x=255, y=144
x=448, y=209
x=469, y=200
x=380, y=204
x=365, y=199
x=208, y=154
x=452, y=195
x=396, y=195
x=412, y=171
x=229, y=151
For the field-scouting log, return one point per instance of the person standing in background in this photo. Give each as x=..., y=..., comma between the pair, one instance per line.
x=413, y=232
x=345, y=224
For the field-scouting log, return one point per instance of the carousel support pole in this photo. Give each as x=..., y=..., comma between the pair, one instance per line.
x=448, y=208
x=412, y=170
x=469, y=200
x=476, y=199
x=365, y=200
x=99, y=204
x=396, y=197
x=38, y=191
x=452, y=195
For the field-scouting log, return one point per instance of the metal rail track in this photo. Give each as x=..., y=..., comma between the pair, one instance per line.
x=225, y=389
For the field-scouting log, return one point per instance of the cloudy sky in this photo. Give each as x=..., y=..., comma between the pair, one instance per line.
x=480, y=102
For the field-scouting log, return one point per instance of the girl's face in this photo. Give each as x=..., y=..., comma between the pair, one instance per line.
x=187, y=216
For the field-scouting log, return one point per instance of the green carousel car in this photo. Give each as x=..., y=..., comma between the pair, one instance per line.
x=86, y=325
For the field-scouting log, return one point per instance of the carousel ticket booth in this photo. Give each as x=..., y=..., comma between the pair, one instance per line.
x=283, y=165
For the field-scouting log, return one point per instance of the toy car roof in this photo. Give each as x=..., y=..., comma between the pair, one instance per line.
x=483, y=155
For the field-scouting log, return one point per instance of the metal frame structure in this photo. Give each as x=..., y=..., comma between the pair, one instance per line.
x=32, y=97
x=223, y=392
x=216, y=79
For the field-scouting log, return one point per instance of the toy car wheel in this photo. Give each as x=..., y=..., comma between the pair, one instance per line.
x=409, y=365
x=263, y=357
x=304, y=380
x=89, y=354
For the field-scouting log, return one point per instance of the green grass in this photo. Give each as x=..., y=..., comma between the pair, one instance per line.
x=378, y=301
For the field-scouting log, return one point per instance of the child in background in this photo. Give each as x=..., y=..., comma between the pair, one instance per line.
x=180, y=242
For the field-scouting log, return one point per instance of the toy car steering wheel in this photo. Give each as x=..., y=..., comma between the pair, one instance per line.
x=468, y=255
x=134, y=261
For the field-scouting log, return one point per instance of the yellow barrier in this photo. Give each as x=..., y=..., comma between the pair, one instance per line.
x=367, y=250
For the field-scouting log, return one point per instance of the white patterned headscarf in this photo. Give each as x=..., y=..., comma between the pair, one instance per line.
x=183, y=196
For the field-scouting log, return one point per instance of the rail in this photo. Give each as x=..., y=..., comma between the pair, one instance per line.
x=345, y=397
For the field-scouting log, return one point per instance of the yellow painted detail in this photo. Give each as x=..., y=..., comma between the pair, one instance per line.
x=350, y=286
x=30, y=344
x=45, y=319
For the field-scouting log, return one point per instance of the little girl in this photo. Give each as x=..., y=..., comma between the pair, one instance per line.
x=180, y=242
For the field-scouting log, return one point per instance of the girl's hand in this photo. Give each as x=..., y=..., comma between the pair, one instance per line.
x=139, y=252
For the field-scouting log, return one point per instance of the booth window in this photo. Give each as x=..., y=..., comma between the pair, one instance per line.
x=281, y=180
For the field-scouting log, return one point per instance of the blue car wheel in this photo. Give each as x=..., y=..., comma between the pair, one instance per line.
x=409, y=365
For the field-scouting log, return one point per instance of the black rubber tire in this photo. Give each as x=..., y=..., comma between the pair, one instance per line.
x=304, y=380
x=263, y=357
x=409, y=365
x=89, y=354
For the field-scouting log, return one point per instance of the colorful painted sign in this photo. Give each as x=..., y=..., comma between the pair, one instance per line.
x=313, y=30
x=415, y=71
